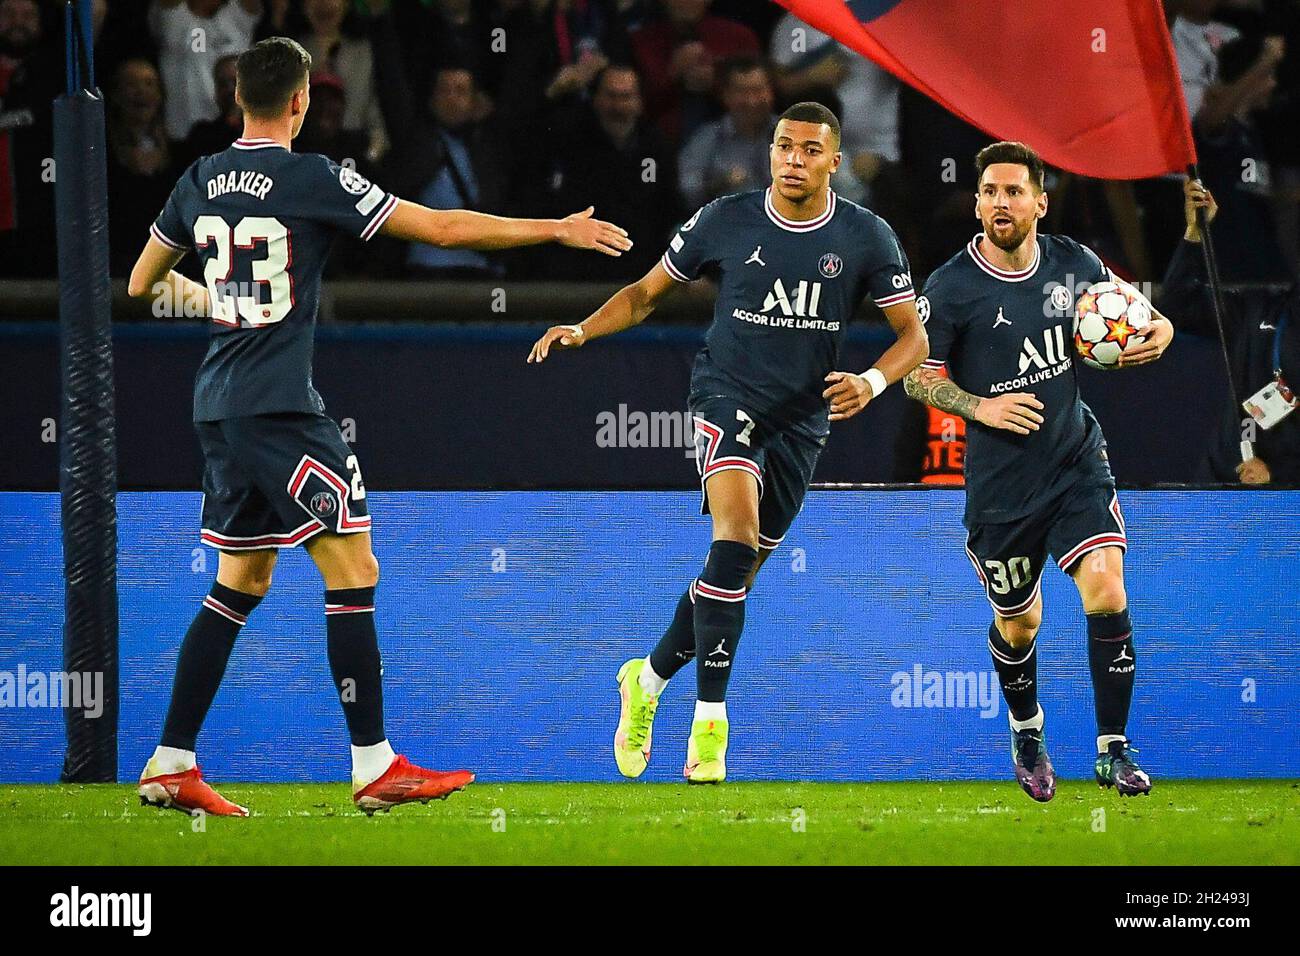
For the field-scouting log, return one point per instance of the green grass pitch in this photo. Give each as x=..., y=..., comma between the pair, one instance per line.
x=1182, y=822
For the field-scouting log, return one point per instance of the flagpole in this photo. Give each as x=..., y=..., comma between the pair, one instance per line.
x=1216, y=291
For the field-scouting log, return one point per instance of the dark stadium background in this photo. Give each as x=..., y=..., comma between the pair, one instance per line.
x=445, y=401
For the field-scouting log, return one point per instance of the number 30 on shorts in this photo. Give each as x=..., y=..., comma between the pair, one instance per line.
x=1003, y=577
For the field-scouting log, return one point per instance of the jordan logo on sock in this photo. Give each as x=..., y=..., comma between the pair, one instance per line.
x=719, y=650
x=1124, y=655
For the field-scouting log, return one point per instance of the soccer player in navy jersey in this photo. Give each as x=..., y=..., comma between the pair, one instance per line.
x=1000, y=316
x=277, y=471
x=792, y=263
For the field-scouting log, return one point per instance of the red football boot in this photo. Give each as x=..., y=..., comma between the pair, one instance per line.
x=187, y=792
x=404, y=782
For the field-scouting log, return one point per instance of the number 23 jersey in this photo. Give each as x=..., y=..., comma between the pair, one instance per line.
x=262, y=220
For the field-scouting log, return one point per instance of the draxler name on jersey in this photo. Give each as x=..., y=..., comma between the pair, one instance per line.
x=1039, y=361
x=247, y=181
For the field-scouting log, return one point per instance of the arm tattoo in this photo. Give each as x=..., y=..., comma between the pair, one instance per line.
x=934, y=390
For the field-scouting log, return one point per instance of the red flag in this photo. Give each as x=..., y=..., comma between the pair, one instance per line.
x=1092, y=85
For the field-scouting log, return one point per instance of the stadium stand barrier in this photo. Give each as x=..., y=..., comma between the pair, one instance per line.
x=456, y=406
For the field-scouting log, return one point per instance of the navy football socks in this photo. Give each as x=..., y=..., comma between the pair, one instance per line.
x=1114, y=666
x=353, y=649
x=202, y=662
x=677, y=647
x=720, y=615
x=1017, y=673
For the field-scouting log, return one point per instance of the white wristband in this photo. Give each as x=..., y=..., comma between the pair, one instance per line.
x=876, y=379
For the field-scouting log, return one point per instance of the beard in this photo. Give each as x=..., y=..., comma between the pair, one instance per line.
x=1010, y=241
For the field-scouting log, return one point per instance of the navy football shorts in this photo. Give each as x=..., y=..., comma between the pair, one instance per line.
x=1009, y=556
x=728, y=437
x=276, y=480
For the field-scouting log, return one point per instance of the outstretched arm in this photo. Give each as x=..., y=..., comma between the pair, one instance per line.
x=463, y=229
x=1016, y=412
x=627, y=307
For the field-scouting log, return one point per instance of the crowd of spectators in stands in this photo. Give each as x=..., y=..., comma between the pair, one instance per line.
x=643, y=108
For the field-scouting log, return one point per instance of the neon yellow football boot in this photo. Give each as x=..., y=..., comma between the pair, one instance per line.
x=636, y=717
x=706, y=754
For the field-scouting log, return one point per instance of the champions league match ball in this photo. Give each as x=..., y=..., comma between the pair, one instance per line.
x=1108, y=317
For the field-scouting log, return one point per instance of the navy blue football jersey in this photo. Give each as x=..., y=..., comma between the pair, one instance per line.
x=1001, y=332
x=262, y=220
x=787, y=289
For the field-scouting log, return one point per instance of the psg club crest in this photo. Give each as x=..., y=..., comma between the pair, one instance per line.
x=323, y=504
x=1061, y=298
x=830, y=265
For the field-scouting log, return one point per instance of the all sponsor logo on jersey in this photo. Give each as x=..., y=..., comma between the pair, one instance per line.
x=1052, y=353
x=797, y=308
x=806, y=298
x=1046, y=361
x=689, y=224
x=830, y=265
x=353, y=181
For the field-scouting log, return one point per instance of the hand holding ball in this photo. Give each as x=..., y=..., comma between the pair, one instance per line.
x=1107, y=317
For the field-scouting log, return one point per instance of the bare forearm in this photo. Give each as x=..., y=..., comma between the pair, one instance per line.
x=476, y=230
x=174, y=295
x=463, y=229
x=933, y=389
x=906, y=354
x=187, y=298
x=624, y=309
